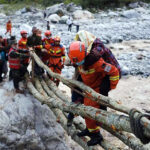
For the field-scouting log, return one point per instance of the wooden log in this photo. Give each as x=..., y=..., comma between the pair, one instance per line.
x=113, y=121
x=94, y=95
x=127, y=138
x=62, y=119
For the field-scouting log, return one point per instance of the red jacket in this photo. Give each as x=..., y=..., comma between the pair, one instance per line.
x=14, y=62
x=22, y=43
x=95, y=73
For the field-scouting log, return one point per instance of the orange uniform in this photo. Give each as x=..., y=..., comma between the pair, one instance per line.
x=93, y=77
x=47, y=41
x=22, y=43
x=55, y=61
x=8, y=27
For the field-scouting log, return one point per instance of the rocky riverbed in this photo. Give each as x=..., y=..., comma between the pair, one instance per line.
x=25, y=123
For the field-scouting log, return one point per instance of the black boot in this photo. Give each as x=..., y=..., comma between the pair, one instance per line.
x=69, y=122
x=84, y=133
x=96, y=138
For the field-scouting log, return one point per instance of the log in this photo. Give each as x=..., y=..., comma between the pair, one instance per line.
x=126, y=138
x=71, y=131
x=105, y=144
x=94, y=95
x=114, y=122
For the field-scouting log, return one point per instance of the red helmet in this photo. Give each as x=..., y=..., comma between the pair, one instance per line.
x=23, y=32
x=77, y=52
x=48, y=33
x=56, y=39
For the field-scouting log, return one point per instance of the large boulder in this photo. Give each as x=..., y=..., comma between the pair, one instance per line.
x=56, y=9
x=71, y=7
x=25, y=124
x=63, y=19
x=130, y=14
x=82, y=14
x=54, y=18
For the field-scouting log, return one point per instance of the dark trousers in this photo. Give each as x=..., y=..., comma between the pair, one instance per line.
x=17, y=75
x=69, y=27
x=76, y=98
x=104, y=89
x=1, y=70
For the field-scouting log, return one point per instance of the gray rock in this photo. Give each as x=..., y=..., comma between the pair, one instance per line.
x=26, y=124
x=63, y=19
x=54, y=18
x=56, y=9
x=130, y=14
x=134, y=5
x=2, y=15
x=82, y=14
x=71, y=7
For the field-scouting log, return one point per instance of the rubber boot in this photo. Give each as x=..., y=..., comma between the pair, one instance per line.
x=96, y=138
x=84, y=133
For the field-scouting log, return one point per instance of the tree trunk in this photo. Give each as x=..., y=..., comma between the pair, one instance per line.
x=94, y=95
x=62, y=119
x=81, y=110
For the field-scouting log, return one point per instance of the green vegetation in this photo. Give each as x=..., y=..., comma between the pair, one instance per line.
x=84, y=3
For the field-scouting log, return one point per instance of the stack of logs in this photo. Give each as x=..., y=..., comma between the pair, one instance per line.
x=118, y=125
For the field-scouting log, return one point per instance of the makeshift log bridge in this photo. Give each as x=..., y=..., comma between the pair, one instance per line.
x=121, y=126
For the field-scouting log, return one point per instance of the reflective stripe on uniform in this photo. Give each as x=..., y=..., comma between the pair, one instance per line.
x=58, y=51
x=13, y=64
x=63, y=56
x=91, y=130
x=52, y=51
x=24, y=43
x=114, y=78
x=90, y=71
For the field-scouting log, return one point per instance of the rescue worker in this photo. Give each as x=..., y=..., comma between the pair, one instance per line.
x=22, y=46
x=92, y=76
x=95, y=50
x=16, y=67
x=35, y=42
x=57, y=57
x=8, y=27
x=48, y=38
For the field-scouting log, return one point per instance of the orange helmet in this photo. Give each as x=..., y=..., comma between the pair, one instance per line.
x=56, y=39
x=77, y=52
x=23, y=32
x=48, y=33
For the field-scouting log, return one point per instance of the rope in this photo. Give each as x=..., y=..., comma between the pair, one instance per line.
x=136, y=126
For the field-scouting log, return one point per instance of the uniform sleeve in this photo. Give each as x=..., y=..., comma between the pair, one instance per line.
x=63, y=55
x=47, y=46
x=20, y=44
x=108, y=69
